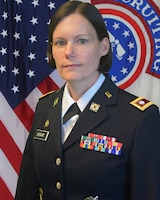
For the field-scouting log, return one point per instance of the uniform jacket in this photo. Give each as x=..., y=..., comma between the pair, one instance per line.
x=71, y=172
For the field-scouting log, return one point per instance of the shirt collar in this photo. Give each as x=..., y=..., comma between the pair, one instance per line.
x=67, y=100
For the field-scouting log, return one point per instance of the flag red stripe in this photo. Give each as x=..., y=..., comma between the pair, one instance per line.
x=10, y=148
x=5, y=193
x=47, y=85
x=25, y=114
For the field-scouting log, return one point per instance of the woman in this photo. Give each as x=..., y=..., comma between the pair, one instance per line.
x=108, y=150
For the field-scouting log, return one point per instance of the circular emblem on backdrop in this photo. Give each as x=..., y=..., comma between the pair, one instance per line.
x=131, y=39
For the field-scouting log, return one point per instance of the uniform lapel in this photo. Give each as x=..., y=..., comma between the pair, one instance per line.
x=55, y=119
x=95, y=112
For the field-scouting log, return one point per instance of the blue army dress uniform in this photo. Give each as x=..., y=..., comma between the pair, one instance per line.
x=73, y=171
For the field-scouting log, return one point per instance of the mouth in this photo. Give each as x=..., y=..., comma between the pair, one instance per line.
x=71, y=65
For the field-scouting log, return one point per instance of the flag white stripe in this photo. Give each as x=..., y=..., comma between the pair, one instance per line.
x=16, y=129
x=6, y=172
x=32, y=98
x=56, y=78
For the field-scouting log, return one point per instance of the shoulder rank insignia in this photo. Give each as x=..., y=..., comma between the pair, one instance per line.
x=44, y=95
x=141, y=103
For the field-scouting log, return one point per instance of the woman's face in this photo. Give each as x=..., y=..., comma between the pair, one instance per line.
x=77, y=50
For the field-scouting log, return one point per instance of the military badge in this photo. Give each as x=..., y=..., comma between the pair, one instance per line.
x=55, y=102
x=141, y=103
x=41, y=135
x=46, y=124
x=108, y=94
x=101, y=143
x=91, y=198
x=94, y=107
x=40, y=193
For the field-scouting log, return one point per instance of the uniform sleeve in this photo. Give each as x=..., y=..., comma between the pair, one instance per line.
x=145, y=157
x=28, y=186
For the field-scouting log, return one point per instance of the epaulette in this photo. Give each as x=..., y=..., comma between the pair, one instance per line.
x=141, y=103
x=46, y=94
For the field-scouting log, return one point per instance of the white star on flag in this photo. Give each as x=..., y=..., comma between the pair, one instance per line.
x=16, y=36
x=31, y=56
x=15, y=89
x=31, y=73
x=4, y=33
x=15, y=71
x=33, y=38
x=2, y=68
x=5, y=15
x=3, y=51
x=18, y=18
x=16, y=53
x=35, y=3
x=34, y=20
x=19, y=1
x=51, y=5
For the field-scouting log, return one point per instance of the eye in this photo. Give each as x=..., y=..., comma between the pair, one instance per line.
x=59, y=43
x=82, y=41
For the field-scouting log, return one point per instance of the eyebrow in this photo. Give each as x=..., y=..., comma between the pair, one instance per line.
x=79, y=35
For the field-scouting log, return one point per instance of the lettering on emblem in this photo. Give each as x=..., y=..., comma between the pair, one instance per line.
x=41, y=135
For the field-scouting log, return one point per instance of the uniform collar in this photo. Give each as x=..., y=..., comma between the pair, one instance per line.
x=67, y=100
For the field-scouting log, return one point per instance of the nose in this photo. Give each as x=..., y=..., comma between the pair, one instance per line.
x=70, y=50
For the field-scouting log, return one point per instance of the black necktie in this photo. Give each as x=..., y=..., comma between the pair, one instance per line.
x=73, y=110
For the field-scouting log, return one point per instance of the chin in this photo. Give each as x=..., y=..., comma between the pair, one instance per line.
x=72, y=77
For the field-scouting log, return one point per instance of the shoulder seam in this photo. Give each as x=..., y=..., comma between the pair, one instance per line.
x=44, y=95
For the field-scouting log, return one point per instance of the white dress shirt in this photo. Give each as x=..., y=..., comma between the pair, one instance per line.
x=67, y=101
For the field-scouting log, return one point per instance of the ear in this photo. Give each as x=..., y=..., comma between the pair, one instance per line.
x=105, y=46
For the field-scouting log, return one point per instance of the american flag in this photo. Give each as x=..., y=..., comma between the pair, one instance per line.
x=24, y=76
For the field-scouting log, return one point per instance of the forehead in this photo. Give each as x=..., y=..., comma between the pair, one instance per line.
x=74, y=23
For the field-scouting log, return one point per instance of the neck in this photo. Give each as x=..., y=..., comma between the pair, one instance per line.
x=78, y=88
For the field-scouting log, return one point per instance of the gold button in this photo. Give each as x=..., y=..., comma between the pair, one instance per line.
x=58, y=161
x=58, y=185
